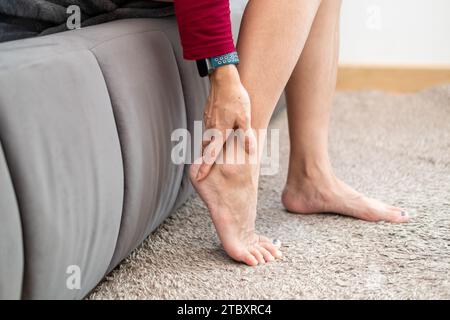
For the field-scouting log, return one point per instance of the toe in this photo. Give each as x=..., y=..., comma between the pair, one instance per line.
x=268, y=257
x=275, y=242
x=394, y=215
x=400, y=217
x=264, y=239
x=258, y=255
x=249, y=259
x=269, y=246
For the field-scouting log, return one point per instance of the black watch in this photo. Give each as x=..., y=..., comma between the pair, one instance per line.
x=207, y=66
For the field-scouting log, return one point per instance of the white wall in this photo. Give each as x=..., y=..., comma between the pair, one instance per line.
x=395, y=32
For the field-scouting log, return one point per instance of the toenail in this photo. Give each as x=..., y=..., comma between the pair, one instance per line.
x=276, y=242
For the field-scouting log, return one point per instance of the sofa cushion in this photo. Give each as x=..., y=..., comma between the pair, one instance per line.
x=142, y=76
x=11, y=245
x=60, y=140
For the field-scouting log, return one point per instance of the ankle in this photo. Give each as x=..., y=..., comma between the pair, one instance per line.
x=308, y=171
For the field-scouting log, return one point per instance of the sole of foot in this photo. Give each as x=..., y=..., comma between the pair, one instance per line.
x=230, y=193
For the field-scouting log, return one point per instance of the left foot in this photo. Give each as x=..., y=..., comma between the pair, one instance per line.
x=325, y=193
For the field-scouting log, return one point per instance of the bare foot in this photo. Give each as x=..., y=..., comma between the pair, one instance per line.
x=230, y=193
x=326, y=193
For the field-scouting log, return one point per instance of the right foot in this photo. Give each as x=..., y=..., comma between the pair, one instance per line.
x=230, y=192
x=323, y=192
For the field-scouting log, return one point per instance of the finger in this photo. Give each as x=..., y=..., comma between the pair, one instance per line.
x=205, y=144
x=250, y=142
x=247, y=137
x=211, y=152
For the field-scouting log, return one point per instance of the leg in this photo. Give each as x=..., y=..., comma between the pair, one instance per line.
x=270, y=30
x=311, y=185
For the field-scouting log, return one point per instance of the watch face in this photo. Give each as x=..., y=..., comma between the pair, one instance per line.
x=202, y=67
x=209, y=66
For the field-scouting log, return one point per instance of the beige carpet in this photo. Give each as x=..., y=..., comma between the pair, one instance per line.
x=396, y=148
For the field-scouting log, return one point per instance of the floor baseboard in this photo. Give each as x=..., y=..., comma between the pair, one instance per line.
x=399, y=79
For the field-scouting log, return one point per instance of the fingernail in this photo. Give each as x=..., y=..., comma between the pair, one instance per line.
x=276, y=242
x=404, y=214
x=279, y=254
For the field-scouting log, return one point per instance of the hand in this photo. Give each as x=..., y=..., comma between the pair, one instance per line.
x=228, y=108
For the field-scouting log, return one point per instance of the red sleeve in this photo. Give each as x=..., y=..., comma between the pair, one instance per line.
x=205, y=28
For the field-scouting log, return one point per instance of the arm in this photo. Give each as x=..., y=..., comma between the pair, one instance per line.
x=205, y=32
x=205, y=28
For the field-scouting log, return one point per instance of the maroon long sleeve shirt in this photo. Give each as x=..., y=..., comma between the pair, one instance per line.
x=205, y=28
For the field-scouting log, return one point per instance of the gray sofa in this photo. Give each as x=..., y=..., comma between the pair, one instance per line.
x=85, y=170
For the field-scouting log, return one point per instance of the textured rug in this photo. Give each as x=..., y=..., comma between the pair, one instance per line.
x=393, y=147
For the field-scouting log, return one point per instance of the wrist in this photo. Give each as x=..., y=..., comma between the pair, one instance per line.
x=228, y=73
x=208, y=66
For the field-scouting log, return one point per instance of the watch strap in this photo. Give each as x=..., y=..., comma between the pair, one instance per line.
x=225, y=59
x=207, y=66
